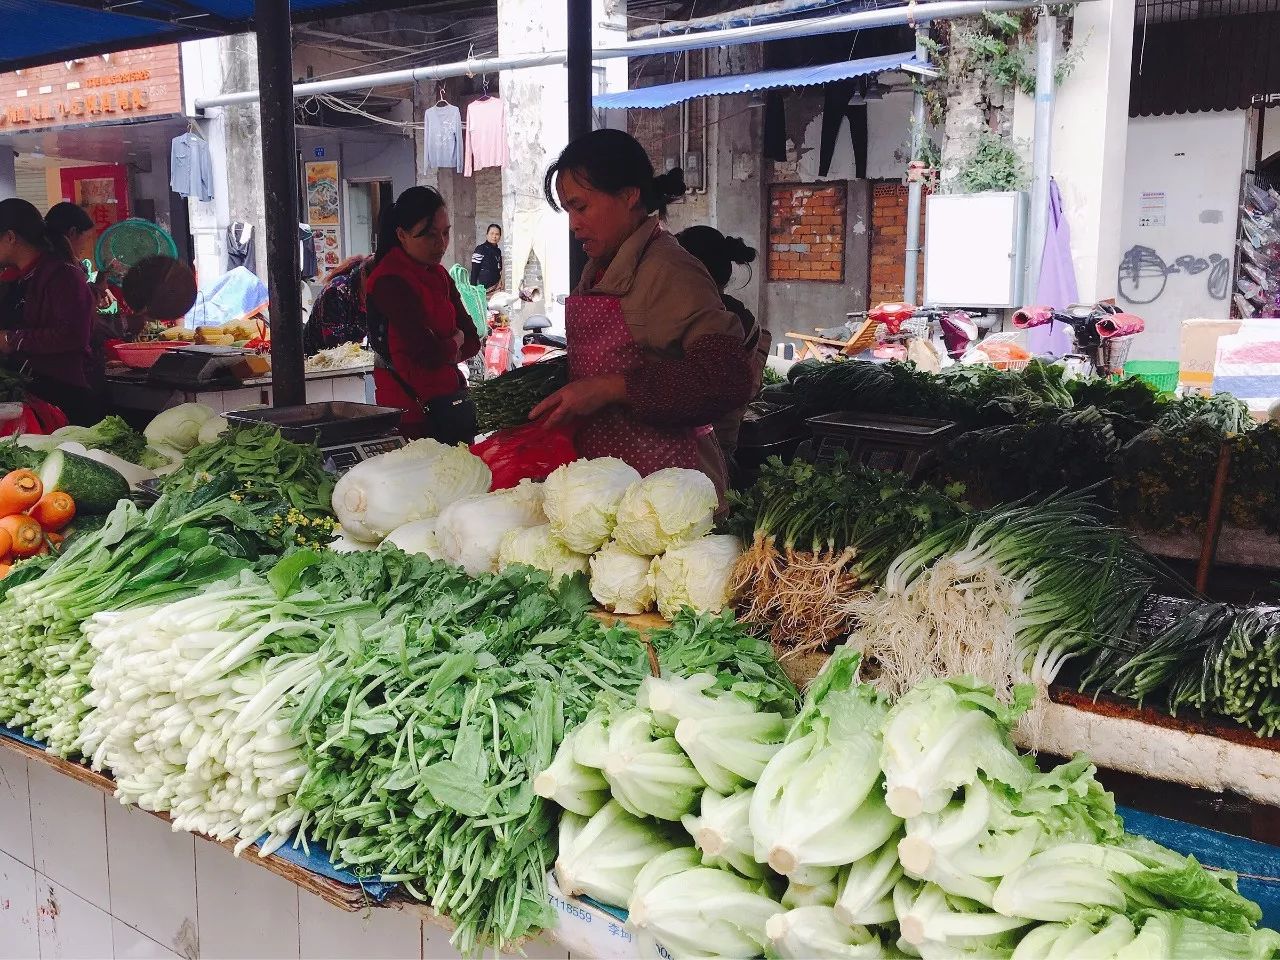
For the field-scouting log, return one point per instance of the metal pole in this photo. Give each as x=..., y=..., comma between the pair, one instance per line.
x=579, y=65
x=844, y=23
x=1041, y=153
x=280, y=188
x=915, y=187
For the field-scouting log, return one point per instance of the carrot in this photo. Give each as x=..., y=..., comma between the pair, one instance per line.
x=19, y=491
x=6, y=546
x=4, y=570
x=54, y=511
x=25, y=532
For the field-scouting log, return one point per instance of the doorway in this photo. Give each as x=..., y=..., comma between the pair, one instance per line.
x=366, y=199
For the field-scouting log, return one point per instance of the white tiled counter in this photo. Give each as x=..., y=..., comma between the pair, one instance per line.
x=82, y=876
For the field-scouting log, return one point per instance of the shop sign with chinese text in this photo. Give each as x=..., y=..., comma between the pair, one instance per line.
x=110, y=88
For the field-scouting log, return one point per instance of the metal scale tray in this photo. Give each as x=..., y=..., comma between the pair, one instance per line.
x=347, y=432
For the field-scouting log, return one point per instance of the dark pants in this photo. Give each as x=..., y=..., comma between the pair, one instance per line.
x=835, y=110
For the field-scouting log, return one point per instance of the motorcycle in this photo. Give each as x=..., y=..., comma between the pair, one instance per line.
x=897, y=324
x=539, y=345
x=1103, y=333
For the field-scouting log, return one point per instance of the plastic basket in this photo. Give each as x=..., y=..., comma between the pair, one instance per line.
x=1161, y=374
x=141, y=356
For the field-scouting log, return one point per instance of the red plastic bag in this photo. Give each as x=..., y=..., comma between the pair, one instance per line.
x=38, y=417
x=530, y=452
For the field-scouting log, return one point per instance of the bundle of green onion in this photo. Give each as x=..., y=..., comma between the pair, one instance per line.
x=1080, y=582
x=505, y=401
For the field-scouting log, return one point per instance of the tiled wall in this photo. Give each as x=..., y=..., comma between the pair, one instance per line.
x=83, y=877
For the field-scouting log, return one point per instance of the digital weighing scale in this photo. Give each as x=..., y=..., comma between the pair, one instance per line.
x=196, y=365
x=348, y=433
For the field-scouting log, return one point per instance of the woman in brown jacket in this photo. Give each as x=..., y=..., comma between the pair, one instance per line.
x=654, y=356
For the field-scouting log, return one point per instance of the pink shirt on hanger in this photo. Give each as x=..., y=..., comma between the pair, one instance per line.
x=486, y=135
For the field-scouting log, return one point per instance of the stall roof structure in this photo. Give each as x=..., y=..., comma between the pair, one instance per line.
x=46, y=31
x=666, y=94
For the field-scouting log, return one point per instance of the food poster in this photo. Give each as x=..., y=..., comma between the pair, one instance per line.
x=327, y=253
x=324, y=213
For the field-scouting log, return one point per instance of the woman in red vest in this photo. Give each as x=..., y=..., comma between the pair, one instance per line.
x=418, y=326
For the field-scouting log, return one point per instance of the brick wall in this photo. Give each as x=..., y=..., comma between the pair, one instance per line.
x=889, y=244
x=807, y=231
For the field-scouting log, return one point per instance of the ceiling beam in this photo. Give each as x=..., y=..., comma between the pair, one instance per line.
x=181, y=13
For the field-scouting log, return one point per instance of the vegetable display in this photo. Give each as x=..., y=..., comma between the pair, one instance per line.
x=818, y=534
x=878, y=827
x=435, y=719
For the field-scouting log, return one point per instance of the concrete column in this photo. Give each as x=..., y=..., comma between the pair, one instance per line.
x=8, y=176
x=537, y=129
x=226, y=65
x=1090, y=134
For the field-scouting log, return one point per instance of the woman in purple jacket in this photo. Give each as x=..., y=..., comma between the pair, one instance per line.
x=46, y=314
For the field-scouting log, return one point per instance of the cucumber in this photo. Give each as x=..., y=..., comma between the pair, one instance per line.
x=95, y=487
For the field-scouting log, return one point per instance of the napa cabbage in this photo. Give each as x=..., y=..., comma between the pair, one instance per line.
x=665, y=509
x=602, y=856
x=575, y=786
x=803, y=933
x=583, y=498
x=649, y=775
x=620, y=580
x=470, y=531
x=695, y=575
x=944, y=733
x=416, y=536
x=538, y=547
x=820, y=800
x=722, y=831
x=415, y=482
x=178, y=427
x=696, y=911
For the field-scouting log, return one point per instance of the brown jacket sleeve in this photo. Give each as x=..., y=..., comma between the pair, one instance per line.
x=697, y=368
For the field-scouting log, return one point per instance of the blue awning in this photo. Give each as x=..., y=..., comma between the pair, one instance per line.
x=664, y=95
x=46, y=31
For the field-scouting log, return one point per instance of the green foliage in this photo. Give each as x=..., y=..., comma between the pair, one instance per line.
x=993, y=164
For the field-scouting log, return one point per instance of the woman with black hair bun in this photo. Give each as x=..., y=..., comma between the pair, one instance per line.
x=719, y=254
x=46, y=314
x=654, y=356
x=419, y=329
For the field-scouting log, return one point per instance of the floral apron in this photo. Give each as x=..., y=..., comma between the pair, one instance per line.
x=601, y=343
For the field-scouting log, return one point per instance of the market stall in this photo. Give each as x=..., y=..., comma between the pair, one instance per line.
x=404, y=686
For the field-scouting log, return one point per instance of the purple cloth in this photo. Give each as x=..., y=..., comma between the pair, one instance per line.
x=1057, y=287
x=53, y=333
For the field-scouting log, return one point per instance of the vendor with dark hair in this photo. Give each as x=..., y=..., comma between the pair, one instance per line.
x=486, y=262
x=418, y=326
x=46, y=314
x=654, y=357
x=719, y=254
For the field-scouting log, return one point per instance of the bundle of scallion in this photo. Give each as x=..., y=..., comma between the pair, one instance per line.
x=182, y=543
x=818, y=534
x=191, y=703
x=1067, y=583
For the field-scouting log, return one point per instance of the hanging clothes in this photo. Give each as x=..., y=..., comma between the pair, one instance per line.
x=1056, y=286
x=442, y=139
x=190, y=167
x=240, y=251
x=307, y=252
x=835, y=110
x=486, y=134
